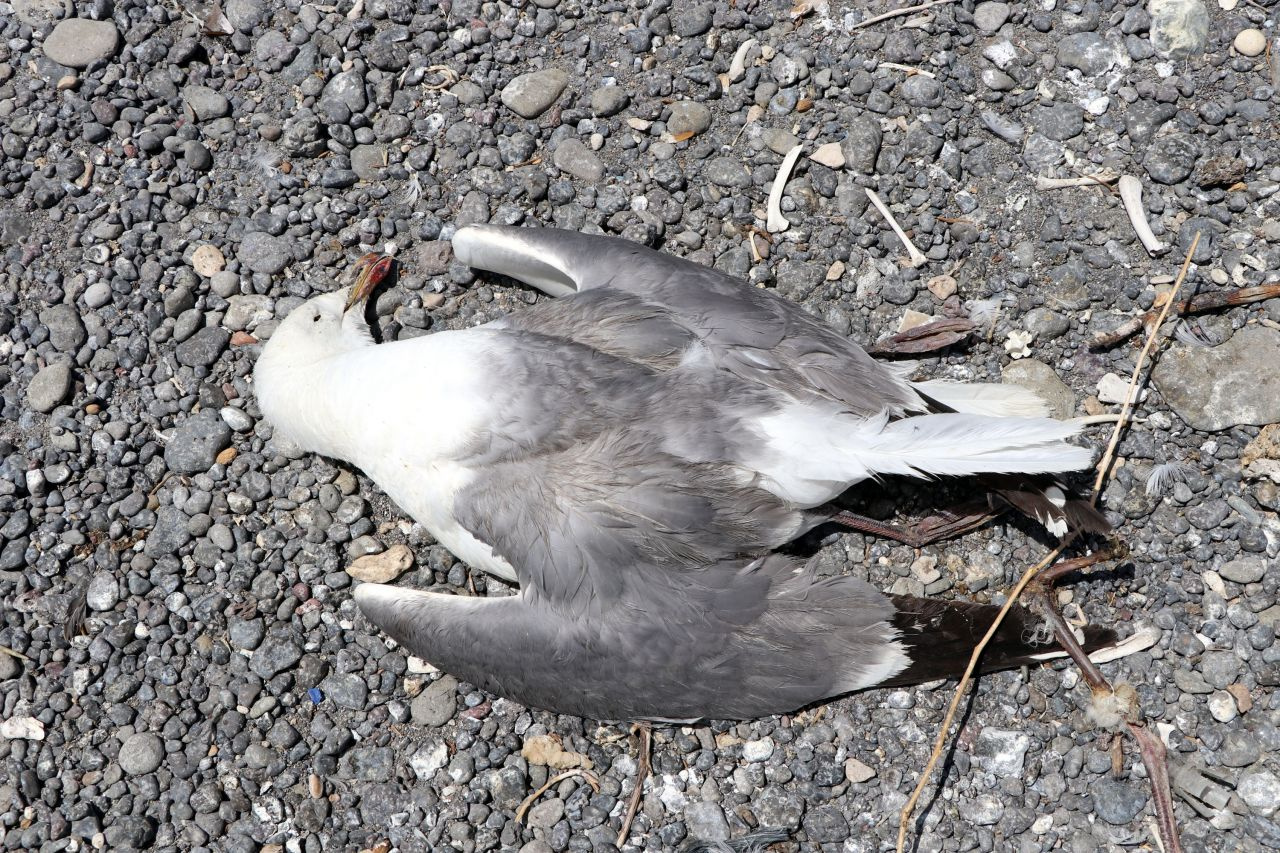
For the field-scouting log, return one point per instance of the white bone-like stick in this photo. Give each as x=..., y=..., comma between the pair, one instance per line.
x=1131, y=194
x=738, y=66
x=775, y=221
x=1106, y=176
x=917, y=256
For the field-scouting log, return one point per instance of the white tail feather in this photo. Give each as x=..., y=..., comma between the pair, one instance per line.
x=813, y=456
x=985, y=398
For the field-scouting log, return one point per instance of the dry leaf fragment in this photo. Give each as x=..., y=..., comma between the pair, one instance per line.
x=547, y=750
x=942, y=286
x=384, y=567
x=926, y=338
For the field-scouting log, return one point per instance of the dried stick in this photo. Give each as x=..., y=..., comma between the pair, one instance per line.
x=940, y=741
x=642, y=773
x=899, y=12
x=1198, y=304
x=1104, y=467
x=556, y=780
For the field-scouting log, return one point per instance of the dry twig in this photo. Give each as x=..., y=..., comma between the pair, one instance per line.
x=896, y=13
x=1198, y=304
x=556, y=780
x=645, y=731
x=1104, y=467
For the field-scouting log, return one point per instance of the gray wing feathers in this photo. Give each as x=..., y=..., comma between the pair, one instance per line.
x=753, y=334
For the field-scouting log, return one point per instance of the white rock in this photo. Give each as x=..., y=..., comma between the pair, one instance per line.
x=22, y=728
x=1222, y=705
x=426, y=761
x=1113, y=389
x=757, y=750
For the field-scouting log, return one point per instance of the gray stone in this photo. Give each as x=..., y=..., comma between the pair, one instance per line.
x=547, y=814
x=169, y=535
x=861, y=144
x=990, y=17
x=1039, y=377
x=103, y=592
x=236, y=419
x=277, y=653
x=691, y=19
x=203, y=348
x=1171, y=159
x=1220, y=668
x=688, y=117
x=1144, y=118
x=141, y=753
x=728, y=172
x=66, y=329
x=758, y=750
x=346, y=689
x=1239, y=749
x=244, y=14
x=1087, y=52
x=369, y=162
x=1260, y=790
x=97, y=294
x=49, y=387
x=196, y=156
x=609, y=100
x=347, y=89
x=1046, y=323
x=706, y=822
x=920, y=90
x=826, y=824
x=1179, y=28
x=573, y=157
x=263, y=253
x=1248, y=569
x=1003, y=126
x=1060, y=121
x=1117, y=802
x=78, y=42
x=1214, y=388
x=246, y=633
x=197, y=442
x=203, y=103
x=532, y=94
x=1002, y=752
x=436, y=705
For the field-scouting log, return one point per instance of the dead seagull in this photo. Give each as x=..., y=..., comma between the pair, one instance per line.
x=632, y=454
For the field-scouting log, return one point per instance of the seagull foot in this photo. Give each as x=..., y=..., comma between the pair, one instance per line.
x=934, y=528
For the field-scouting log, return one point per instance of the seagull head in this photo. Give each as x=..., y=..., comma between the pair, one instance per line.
x=308, y=342
x=329, y=324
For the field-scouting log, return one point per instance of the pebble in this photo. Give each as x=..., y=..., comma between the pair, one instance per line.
x=1089, y=53
x=757, y=750
x=261, y=252
x=79, y=42
x=246, y=310
x=706, y=822
x=236, y=419
x=578, y=160
x=1117, y=802
x=277, y=653
x=204, y=103
x=66, y=329
x=688, y=117
x=50, y=387
x=103, y=592
x=1250, y=42
x=203, y=347
x=532, y=94
x=346, y=689
x=1179, y=28
x=436, y=705
x=1171, y=159
x=196, y=443
x=1260, y=790
x=609, y=101
x=691, y=19
x=855, y=771
x=141, y=753
x=1247, y=569
x=1001, y=751
x=990, y=17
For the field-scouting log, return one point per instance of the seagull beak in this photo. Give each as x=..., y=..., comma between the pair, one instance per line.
x=370, y=272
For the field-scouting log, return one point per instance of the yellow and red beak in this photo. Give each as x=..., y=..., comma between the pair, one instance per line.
x=370, y=272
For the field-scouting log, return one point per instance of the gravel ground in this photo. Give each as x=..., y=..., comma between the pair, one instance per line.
x=191, y=673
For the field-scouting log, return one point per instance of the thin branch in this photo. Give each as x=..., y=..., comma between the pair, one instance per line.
x=642, y=773
x=556, y=780
x=1197, y=304
x=940, y=741
x=1108, y=458
x=896, y=13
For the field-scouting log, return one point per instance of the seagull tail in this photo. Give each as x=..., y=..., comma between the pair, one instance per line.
x=938, y=638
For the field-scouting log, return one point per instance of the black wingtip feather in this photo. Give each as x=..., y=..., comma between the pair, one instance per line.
x=940, y=636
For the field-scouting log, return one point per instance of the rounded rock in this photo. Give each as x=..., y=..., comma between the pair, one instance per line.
x=78, y=42
x=1250, y=42
x=532, y=94
x=141, y=753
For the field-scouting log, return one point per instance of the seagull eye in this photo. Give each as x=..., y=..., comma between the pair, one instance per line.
x=315, y=319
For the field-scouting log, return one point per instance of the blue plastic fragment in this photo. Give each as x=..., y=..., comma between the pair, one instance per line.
x=315, y=695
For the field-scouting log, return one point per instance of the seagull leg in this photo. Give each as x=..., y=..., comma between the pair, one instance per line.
x=643, y=768
x=935, y=528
